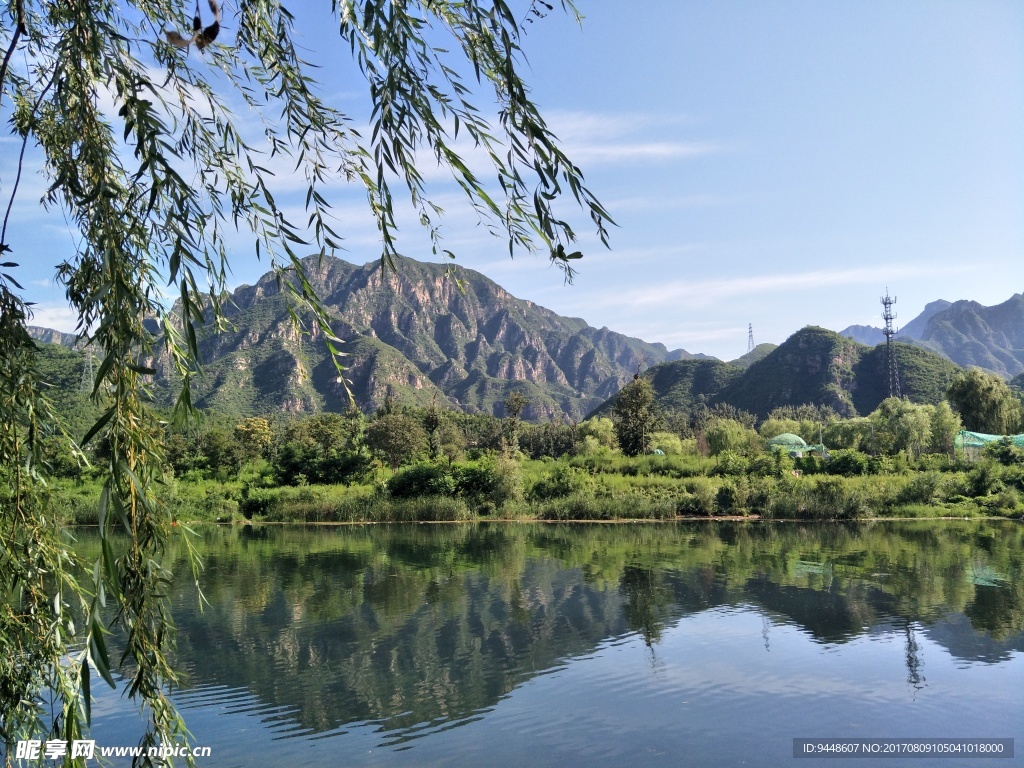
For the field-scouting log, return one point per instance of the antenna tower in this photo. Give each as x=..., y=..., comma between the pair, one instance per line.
x=87, y=373
x=750, y=337
x=889, y=316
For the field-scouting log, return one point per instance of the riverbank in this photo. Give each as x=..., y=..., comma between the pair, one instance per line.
x=647, y=488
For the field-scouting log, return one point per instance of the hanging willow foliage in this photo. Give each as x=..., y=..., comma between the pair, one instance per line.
x=132, y=125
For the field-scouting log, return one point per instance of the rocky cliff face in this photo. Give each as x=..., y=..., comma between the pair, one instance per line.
x=425, y=334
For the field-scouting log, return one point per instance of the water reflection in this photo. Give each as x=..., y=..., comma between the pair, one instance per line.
x=414, y=629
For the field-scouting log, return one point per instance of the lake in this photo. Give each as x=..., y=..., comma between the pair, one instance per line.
x=619, y=645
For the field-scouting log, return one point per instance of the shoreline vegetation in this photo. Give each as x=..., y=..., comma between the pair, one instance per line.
x=578, y=489
x=415, y=464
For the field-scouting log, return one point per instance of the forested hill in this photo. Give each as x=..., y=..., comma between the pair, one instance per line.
x=813, y=366
x=422, y=334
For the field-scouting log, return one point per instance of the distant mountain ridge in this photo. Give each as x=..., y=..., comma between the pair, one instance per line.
x=421, y=334
x=870, y=335
x=813, y=366
x=964, y=332
x=989, y=337
x=426, y=335
x=50, y=336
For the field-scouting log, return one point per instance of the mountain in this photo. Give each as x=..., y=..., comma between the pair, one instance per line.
x=870, y=335
x=814, y=365
x=428, y=335
x=757, y=353
x=682, y=385
x=915, y=328
x=989, y=337
x=864, y=334
x=50, y=336
x=965, y=332
x=924, y=376
x=423, y=334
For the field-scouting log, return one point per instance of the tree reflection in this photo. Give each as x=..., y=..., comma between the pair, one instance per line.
x=406, y=625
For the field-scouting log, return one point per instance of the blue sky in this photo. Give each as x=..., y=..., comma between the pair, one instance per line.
x=774, y=163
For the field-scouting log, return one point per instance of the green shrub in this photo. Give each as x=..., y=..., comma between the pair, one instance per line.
x=421, y=480
x=698, y=500
x=424, y=509
x=257, y=502
x=774, y=464
x=984, y=479
x=564, y=481
x=730, y=464
x=847, y=462
x=1005, y=452
x=762, y=491
x=881, y=465
x=831, y=498
x=732, y=495
x=924, y=488
x=810, y=465
x=584, y=507
x=1014, y=477
x=489, y=483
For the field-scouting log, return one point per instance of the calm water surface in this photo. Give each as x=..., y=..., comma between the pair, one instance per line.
x=653, y=645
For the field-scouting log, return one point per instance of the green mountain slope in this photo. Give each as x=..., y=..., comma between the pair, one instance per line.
x=924, y=376
x=821, y=367
x=814, y=366
x=681, y=385
x=759, y=352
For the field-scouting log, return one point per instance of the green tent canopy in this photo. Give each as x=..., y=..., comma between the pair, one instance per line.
x=966, y=439
x=788, y=440
x=791, y=443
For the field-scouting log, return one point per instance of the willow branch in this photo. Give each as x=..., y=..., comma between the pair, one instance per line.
x=18, y=31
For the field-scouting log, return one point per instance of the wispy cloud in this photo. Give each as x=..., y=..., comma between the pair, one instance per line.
x=700, y=293
x=648, y=204
x=604, y=153
x=601, y=139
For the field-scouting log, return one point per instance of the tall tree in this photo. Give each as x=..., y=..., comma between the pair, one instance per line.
x=944, y=428
x=396, y=439
x=636, y=417
x=142, y=152
x=900, y=425
x=514, y=404
x=985, y=403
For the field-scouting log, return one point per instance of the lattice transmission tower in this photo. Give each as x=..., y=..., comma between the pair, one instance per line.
x=87, y=373
x=750, y=337
x=889, y=316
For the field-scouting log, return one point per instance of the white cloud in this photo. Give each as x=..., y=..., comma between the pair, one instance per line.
x=702, y=293
x=591, y=138
x=649, y=204
x=59, y=317
x=594, y=153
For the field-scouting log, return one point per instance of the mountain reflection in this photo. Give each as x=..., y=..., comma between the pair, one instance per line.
x=410, y=625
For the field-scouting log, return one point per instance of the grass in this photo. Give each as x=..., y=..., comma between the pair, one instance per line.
x=600, y=488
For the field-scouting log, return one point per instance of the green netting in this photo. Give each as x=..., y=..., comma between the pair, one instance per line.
x=965, y=439
x=789, y=440
x=791, y=443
